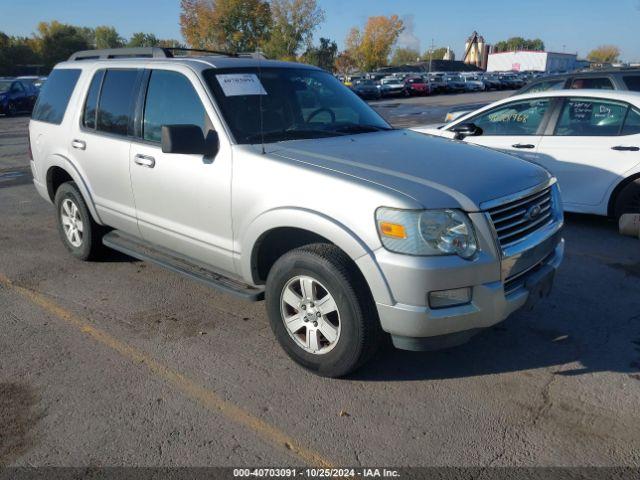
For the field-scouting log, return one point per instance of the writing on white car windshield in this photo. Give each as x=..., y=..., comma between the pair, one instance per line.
x=279, y=104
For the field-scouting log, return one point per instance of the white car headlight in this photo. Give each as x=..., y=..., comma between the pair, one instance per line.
x=427, y=232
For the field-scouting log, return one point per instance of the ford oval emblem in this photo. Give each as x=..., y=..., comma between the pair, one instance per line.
x=533, y=212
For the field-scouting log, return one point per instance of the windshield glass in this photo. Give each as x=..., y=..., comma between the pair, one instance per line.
x=4, y=86
x=454, y=78
x=296, y=103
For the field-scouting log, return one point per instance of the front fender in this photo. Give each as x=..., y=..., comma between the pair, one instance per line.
x=57, y=160
x=337, y=233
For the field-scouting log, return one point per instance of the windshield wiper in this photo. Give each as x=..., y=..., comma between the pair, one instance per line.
x=280, y=136
x=362, y=128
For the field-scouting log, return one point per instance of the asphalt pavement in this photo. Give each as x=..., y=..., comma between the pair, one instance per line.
x=119, y=362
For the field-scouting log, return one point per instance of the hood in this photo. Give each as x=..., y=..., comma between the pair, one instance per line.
x=436, y=172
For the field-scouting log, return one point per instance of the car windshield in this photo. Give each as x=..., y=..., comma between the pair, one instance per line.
x=4, y=86
x=454, y=78
x=296, y=103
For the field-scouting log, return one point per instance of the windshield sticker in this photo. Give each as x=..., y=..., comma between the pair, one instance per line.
x=240, y=84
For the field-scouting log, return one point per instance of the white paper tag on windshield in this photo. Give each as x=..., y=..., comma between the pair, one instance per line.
x=236, y=84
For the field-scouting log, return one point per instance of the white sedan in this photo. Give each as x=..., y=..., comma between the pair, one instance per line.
x=589, y=139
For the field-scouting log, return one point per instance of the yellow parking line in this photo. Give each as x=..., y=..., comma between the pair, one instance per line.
x=207, y=398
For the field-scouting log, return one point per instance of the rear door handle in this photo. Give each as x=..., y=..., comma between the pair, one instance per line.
x=622, y=148
x=523, y=145
x=145, y=160
x=79, y=144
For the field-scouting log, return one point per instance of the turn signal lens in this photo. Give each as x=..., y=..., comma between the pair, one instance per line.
x=392, y=230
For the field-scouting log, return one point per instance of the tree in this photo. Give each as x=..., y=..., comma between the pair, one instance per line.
x=435, y=54
x=344, y=64
x=293, y=24
x=323, y=56
x=370, y=48
x=519, y=43
x=16, y=52
x=230, y=25
x=141, y=39
x=107, y=37
x=57, y=41
x=604, y=54
x=403, y=56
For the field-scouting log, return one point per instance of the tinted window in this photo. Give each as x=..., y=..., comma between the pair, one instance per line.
x=596, y=83
x=543, y=86
x=632, y=122
x=116, y=100
x=55, y=95
x=516, y=118
x=91, y=103
x=171, y=100
x=18, y=87
x=632, y=82
x=588, y=117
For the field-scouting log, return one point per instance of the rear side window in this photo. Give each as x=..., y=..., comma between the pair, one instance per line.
x=91, y=103
x=632, y=123
x=54, y=97
x=583, y=117
x=171, y=100
x=116, y=101
x=594, y=83
x=632, y=82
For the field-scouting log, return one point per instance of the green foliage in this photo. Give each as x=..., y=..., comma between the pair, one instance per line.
x=107, y=37
x=519, y=43
x=604, y=54
x=16, y=52
x=141, y=39
x=403, y=56
x=57, y=41
x=323, y=56
x=436, y=54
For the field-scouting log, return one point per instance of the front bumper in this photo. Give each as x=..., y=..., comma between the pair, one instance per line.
x=496, y=291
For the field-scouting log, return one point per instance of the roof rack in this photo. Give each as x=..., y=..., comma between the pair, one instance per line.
x=152, y=52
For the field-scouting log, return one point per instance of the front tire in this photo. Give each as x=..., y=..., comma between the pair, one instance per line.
x=80, y=234
x=321, y=311
x=628, y=200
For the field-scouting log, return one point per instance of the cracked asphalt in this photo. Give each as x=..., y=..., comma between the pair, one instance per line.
x=119, y=362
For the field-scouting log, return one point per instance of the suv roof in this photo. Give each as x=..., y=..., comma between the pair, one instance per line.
x=208, y=59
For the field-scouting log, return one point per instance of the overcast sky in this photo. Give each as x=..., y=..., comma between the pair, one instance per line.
x=564, y=25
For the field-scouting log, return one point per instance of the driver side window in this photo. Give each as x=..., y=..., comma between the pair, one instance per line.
x=516, y=118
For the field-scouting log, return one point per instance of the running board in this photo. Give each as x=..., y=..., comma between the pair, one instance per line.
x=173, y=261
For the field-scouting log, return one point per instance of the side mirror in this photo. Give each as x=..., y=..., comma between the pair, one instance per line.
x=189, y=140
x=463, y=130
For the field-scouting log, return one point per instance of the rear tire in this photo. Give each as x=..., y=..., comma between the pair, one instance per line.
x=628, y=199
x=301, y=287
x=80, y=234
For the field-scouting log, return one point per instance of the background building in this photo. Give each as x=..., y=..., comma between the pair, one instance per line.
x=523, y=60
x=476, y=51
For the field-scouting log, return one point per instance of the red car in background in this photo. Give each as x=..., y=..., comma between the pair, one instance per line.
x=416, y=86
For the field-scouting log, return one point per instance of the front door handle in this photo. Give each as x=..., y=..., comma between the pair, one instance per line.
x=622, y=148
x=523, y=145
x=79, y=144
x=145, y=160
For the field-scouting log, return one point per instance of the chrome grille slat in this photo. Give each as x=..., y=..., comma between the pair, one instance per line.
x=512, y=221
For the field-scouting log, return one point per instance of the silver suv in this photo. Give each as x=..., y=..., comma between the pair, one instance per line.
x=272, y=180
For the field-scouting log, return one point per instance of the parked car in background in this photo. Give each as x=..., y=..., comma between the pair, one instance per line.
x=437, y=82
x=589, y=139
x=34, y=81
x=416, y=85
x=511, y=81
x=213, y=168
x=492, y=82
x=17, y=96
x=612, y=79
x=391, y=87
x=455, y=84
x=367, y=89
x=473, y=83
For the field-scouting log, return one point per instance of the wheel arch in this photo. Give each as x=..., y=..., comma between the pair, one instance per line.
x=60, y=170
x=616, y=191
x=303, y=227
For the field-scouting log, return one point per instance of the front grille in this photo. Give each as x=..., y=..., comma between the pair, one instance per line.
x=515, y=220
x=518, y=281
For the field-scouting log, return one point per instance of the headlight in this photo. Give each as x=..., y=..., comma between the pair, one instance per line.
x=427, y=232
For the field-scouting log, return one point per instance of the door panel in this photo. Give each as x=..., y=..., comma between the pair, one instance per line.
x=583, y=151
x=183, y=202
